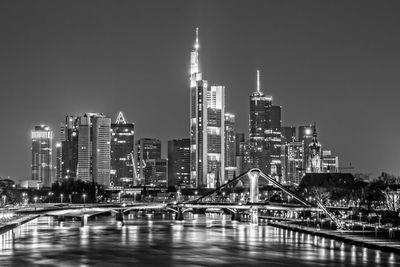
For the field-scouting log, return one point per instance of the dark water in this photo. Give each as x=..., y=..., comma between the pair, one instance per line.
x=158, y=241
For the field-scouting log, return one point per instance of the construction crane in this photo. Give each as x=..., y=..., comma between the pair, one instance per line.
x=135, y=174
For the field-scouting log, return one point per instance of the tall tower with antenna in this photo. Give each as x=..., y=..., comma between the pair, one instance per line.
x=259, y=104
x=207, y=127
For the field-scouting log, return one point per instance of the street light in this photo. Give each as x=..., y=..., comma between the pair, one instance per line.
x=50, y=194
x=23, y=197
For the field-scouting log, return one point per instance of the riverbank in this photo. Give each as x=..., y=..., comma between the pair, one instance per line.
x=344, y=236
x=17, y=222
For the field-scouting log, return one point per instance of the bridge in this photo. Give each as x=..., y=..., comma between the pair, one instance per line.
x=253, y=208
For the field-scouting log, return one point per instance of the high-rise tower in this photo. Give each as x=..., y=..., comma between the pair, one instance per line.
x=207, y=127
x=94, y=148
x=230, y=146
x=147, y=149
x=69, y=147
x=42, y=146
x=122, y=145
x=259, y=105
x=273, y=140
x=179, y=162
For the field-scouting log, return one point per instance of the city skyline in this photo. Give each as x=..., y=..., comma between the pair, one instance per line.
x=346, y=130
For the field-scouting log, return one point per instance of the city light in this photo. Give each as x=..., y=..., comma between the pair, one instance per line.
x=260, y=184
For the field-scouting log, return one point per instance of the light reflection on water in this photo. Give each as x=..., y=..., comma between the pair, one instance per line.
x=157, y=240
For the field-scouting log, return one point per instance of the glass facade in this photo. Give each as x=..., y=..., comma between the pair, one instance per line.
x=207, y=140
x=179, y=162
x=122, y=145
x=42, y=144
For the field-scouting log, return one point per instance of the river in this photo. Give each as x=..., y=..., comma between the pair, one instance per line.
x=157, y=240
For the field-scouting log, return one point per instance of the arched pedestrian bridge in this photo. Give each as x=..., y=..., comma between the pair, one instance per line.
x=251, y=209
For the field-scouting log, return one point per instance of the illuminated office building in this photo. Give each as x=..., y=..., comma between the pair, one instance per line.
x=246, y=157
x=239, y=138
x=207, y=127
x=305, y=135
x=230, y=146
x=58, y=161
x=294, y=157
x=42, y=144
x=69, y=147
x=156, y=171
x=179, y=162
x=288, y=134
x=259, y=104
x=273, y=140
x=330, y=163
x=122, y=147
x=146, y=149
x=94, y=148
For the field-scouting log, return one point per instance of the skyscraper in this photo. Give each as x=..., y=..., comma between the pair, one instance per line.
x=259, y=105
x=230, y=146
x=273, y=140
x=122, y=145
x=239, y=138
x=94, y=148
x=246, y=158
x=69, y=147
x=294, y=157
x=156, y=172
x=58, y=161
x=84, y=165
x=207, y=109
x=305, y=136
x=288, y=134
x=101, y=149
x=179, y=162
x=42, y=145
x=147, y=149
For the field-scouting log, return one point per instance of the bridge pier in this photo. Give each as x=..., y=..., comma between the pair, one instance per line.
x=84, y=220
x=119, y=216
x=179, y=215
x=60, y=219
x=235, y=216
x=254, y=215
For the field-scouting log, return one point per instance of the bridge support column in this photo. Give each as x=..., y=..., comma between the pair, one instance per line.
x=179, y=215
x=119, y=216
x=254, y=215
x=253, y=176
x=235, y=216
x=60, y=219
x=84, y=220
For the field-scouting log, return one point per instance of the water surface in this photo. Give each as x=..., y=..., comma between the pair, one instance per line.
x=156, y=240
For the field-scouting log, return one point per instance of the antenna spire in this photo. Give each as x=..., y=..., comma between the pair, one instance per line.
x=258, y=81
x=196, y=45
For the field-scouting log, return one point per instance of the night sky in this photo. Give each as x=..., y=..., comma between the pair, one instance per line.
x=333, y=62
